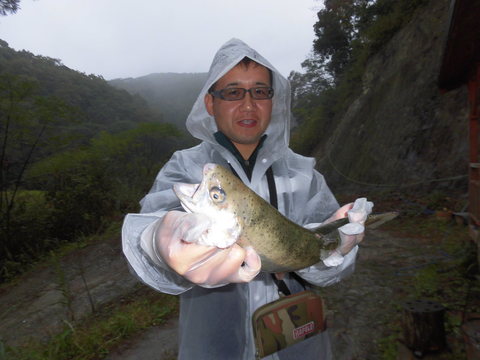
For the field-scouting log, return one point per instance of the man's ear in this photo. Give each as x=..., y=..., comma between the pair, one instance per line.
x=208, y=99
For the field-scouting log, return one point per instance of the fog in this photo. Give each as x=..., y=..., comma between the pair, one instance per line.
x=119, y=38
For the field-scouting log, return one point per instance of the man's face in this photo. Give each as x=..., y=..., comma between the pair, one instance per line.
x=242, y=121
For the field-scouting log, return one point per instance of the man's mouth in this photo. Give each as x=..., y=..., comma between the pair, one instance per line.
x=247, y=123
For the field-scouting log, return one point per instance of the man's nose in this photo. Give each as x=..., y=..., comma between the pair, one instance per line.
x=248, y=102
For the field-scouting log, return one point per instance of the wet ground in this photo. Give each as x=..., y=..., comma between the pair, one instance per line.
x=363, y=309
x=39, y=303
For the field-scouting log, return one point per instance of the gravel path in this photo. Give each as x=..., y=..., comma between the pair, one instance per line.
x=360, y=307
x=158, y=343
x=363, y=304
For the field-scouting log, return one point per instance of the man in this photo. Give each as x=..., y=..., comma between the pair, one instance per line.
x=242, y=116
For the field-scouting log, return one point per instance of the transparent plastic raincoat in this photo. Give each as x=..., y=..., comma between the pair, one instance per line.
x=216, y=323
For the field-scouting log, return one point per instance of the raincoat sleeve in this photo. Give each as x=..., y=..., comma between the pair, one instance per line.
x=138, y=231
x=320, y=206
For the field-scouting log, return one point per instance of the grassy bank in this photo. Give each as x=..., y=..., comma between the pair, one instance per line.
x=97, y=335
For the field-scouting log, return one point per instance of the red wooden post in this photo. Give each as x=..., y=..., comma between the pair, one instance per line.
x=474, y=176
x=474, y=171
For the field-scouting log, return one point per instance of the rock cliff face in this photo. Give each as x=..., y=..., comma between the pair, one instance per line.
x=402, y=130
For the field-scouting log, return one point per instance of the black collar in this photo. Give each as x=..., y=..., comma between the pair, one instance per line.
x=248, y=164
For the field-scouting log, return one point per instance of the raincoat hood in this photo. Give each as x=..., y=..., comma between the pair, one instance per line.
x=202, y=125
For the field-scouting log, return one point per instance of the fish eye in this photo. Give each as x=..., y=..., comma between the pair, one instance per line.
x=217, y=194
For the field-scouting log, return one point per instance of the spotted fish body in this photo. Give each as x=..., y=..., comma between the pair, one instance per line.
x=249, y=220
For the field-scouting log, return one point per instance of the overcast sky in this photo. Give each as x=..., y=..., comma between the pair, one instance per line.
x=120, y=38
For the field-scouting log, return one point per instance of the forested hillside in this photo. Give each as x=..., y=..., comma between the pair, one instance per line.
x=172, y=94
x=93, y=103
x=369, y=104
x=75, y=153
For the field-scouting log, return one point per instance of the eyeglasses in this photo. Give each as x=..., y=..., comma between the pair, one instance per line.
x=233, y=94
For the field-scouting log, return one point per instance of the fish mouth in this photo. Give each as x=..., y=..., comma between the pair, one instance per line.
x=193, y=196
x=186, y=194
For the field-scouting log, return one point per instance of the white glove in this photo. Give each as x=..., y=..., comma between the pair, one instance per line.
x=178, y=242
x=351, y=234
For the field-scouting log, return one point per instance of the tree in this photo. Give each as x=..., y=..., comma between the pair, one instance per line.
x=338, y=28
x=9, y=7
x=26, y=127
x=307, y=86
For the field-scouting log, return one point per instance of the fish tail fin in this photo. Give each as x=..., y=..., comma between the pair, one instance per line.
x=376, y=220
x=373, y=221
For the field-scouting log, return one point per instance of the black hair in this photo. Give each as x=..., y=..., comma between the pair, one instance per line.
x=246, y=62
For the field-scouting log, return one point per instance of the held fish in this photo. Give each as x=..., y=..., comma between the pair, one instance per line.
x=240, y=215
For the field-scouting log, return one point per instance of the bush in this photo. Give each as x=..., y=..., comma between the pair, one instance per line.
x=26, y=232
x=87, y=186
x=84, y=190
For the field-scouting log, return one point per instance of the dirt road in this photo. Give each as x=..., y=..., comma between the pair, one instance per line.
x=362, y=307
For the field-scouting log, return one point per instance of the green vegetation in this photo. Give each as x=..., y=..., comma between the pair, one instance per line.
x=347, y=34
x=82, y=190
x=75, y=155
x=99, y=334
x=93, y=104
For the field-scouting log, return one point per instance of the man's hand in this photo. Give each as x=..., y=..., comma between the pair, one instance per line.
x=352, y=233
x=207, y=266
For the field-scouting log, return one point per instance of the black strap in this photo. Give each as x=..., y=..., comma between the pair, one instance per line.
x=282, y=285
x=272, y=189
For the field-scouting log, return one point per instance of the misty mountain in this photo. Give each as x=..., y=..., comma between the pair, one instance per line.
x=172, y=94
x=92, y=103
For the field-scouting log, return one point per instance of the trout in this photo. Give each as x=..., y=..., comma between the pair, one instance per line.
x=240, y=216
